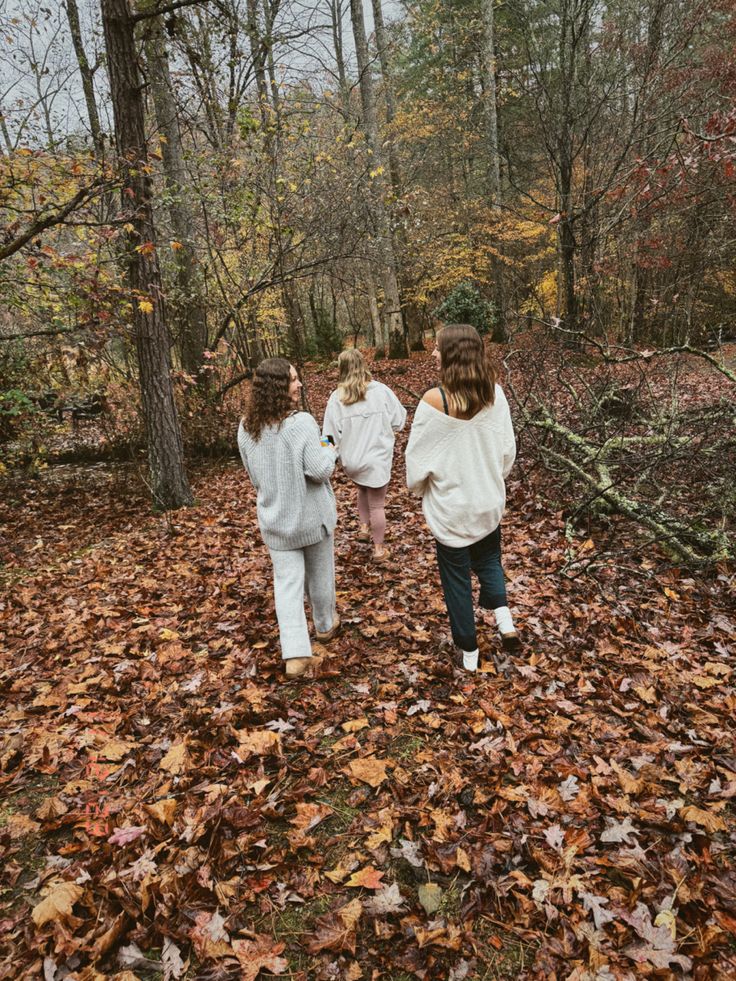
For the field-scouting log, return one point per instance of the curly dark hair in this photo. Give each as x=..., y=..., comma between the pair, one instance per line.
x=465, y=370
x=269, y=399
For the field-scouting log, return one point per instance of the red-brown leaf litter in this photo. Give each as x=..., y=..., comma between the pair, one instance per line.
x=172, y=807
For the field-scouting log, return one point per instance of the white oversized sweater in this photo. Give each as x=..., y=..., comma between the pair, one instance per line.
x=364, y=433
x=291, y=471
x=458, y=468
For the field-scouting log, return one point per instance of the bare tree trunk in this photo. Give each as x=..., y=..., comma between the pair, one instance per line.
x=391, y=298
x=412, y=322
x=187, y=306
x=337, y=41
x=169, y=483
x=488, y=62
x=565, y=232
x=87, y=74
x=378, y=337
x=5, y=132
x=388, y=89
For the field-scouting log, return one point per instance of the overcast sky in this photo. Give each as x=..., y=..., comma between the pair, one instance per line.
x=40, y=89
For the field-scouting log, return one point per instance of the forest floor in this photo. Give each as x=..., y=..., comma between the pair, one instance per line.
x=173, y=807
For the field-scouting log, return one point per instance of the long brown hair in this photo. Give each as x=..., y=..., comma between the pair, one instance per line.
x=465, y=370
x=269, y=398
x=354, y=377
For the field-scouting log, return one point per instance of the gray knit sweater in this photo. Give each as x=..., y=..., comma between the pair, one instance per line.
x=291, y=471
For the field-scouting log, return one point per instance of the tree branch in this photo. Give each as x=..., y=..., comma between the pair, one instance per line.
x=168, y=8
x=41, y=224
x=49, y=332
x=686, y=543
x=611, y=358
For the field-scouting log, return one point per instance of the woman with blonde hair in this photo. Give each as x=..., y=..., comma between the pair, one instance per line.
x=290, y=470
x=362, y=417
x=461, y=449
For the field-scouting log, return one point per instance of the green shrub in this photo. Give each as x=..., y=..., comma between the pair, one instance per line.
x=326, y=339
x=465, y=305
x=14, y=407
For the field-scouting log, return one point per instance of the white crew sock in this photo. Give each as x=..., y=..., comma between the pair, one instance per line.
x=504, y=621
x=470, y=660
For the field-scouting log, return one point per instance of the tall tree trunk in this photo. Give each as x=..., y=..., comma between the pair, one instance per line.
x=186, y=306
x=391, y=299
x=565, y=150
x=87, y=74
x=5, y=132
x=337, y=41
x=169, y=483
x=259, y=29
x=488, y=63
x=414, y=333
x=375, y=339
x=377, y=336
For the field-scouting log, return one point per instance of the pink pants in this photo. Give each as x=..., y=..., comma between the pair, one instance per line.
x=371, y=511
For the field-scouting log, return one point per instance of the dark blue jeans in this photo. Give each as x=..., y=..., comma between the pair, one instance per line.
x=484, y=559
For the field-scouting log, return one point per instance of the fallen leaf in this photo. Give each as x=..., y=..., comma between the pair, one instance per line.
x=569, y=788
x=123, y=836
x=337, y=931
x=51, y=809
x=555, y=837
x=705, y=681
x=367, y=878
x=462, y=860
x=355, y=725
x=20, y=825
x=386, y=900
x=176, y=761
x=174, y=966
x=594, y=904
x=618, y=831
x=258, y=742
x=410, y=851
x=209, y=936
x=260, y=954
x=309, y=815
x=430, y=896
x=646, y=694
x=58, y=903
x=370, y=770
x=709, y=820
x=162, y=810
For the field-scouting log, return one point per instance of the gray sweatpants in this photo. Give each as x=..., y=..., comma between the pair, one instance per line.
x=312, y=569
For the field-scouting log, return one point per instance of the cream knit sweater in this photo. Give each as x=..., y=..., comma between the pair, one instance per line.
x=458, y=467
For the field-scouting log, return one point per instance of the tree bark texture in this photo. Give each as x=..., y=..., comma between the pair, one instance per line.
x=187, y=305
x=565, y=154
x=392, y=317
x=169, y=484
x=488, y=63
x=411, y=316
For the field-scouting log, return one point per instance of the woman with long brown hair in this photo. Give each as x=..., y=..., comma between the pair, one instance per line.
x=290, y=469
x=460, y=450
x=362, y=417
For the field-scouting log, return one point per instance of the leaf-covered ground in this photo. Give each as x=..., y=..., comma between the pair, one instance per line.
x=173, y=807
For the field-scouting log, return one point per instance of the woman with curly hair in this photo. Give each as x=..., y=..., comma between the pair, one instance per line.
x=461, y=449
x=362, y=417
x=290, y=470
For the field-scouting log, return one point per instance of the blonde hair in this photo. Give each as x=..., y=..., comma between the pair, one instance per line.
x=353, y=378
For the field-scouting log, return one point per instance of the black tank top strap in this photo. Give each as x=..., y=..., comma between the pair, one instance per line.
x=444, y=400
